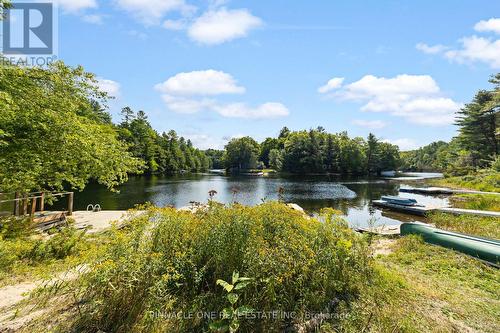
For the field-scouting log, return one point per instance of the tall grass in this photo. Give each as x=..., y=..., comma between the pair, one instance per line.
x=477, y=201
x=428, y=288
x=22, y=247
x=159, y=274
x=483, y=180
x=471, y=225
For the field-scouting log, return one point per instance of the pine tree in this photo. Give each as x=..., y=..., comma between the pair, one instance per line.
x=372, y=158
x=479, y=123
x=128, y=115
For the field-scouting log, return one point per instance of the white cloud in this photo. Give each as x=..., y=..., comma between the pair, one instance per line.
x=93, y=19
x=204, y=141
x=187, y=93
x=186, y=105
x=417, y=98
x=151, y=11
x=404, y=144
x=222, y=25
x=477, y=49
x=332, y=84
x=493, y=25
x=472, y=48
x=435, y=49
x=399, y=86
x=215, y=26
x=207, y=82
x=73, y=6
x=109, y=86
x=371, y=124
x=241, y=110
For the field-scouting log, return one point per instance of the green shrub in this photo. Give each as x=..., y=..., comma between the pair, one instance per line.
x=168, y=262
x=12, y=227
x=21, y=245
x=58, y=246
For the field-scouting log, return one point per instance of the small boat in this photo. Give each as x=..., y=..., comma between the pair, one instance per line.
x=477, y=247
x=217, y=171
x=252, y=174
x=399, y=200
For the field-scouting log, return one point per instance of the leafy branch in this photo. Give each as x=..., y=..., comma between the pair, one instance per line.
x=230, y=321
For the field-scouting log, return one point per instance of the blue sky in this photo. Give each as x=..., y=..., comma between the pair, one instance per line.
x=213, y=70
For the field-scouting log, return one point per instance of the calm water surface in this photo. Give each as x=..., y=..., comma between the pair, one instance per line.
x=351, y=196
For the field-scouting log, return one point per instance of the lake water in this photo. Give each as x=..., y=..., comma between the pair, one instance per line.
x=352, y=196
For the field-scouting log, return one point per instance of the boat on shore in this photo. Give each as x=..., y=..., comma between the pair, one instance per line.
x=477, y=247
x=399, y=200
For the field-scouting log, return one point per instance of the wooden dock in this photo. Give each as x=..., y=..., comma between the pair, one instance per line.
x=424, y=210
x=414, y=210
x=441, y=190
x=385, y=230
x=458, y=211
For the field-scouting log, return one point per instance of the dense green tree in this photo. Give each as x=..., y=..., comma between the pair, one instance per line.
x=387, y=157
x=316, y=151
x=53, y=131
x=127, y=114
x=352, y=157
x=241, y=153
x=98, y=113
x=276, y=159
x=216, y=158
x=265, y=148
x=332, y=154
x=142, y=139
x=166, y=153
x=284, y=132
x=296, y=153
x=303, y=152
x=425, y=158
x=372, y=154
x=479, y=122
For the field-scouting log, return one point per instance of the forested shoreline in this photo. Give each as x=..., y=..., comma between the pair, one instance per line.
x=311, y=152
x=56, y=132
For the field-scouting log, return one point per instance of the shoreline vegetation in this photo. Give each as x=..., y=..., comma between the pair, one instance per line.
x=64, y=111
x=167, y=262
x=237, y=261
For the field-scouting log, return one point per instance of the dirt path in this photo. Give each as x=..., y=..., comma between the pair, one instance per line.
x=13, y=315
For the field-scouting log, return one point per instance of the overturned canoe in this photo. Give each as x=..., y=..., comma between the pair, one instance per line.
x=399, y=200
x=478, y=247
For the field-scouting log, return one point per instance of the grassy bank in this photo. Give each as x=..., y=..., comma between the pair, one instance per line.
x=164, y=268
x=468, y=224
x=477, y=201
x=29, y=255
x=485, y=180
x=432, y=289
x=472, y=225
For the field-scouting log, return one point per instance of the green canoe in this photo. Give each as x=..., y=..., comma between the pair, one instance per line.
x=478, y=247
